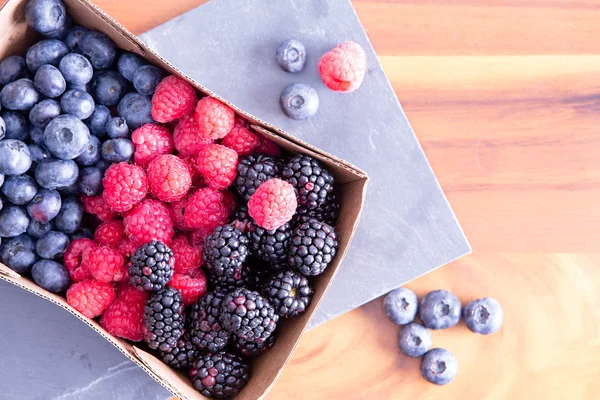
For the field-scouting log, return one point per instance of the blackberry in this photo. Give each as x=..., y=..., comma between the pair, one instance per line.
x=248, y=315
x=206, y=330
x=312, y=181
x=270, y=246
x=224, y=251
x=164, y=319
x=260, y=275
x=219, y=375
x=289, y=293
x=312, y=247
x=327, y=212
x=250, y=349
x=241, y=219
x=241, y=278
x=151, y=266
x=182, y=355
x=254, y=170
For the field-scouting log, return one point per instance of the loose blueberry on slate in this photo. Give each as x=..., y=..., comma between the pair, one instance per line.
x=116, y=127
x=77, y=103
x=52, y=245
x=146, y=79
x=19, y=95
x=56, y=174
x=38, y=153
x=18, y=253
x=90, y=181
x=51, y=276
x=62, y=32
x=414, y=339
x=43, y=112
x=19, y=189
x=129, y=63
x=440, y=309
x=15, y=158
x=483, y=316
x=401, y=305
x=70, y=216
x=49, y=81
x=299, y=101
x=36, y=135
x=136, y=109
x=118, y=150
x=49, y=51
x=109, y=88
x=291, y=56
x=75, y=36
x=17, y=126
x=44, y=206
x=35, y=229
x=97, y=121
x=2, y=128
x=13, y=221
x=91, y=153
x=98, y=48
x=12, y=68
x=45, y=16
x=76, y=69
x=66, y=136
x=439, y=366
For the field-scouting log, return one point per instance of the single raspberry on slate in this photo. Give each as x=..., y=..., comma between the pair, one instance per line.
x=74, y=256
x=187, y=258
x=186, y=137
x=90, y=297
x=151, y=140
x=103, y=263
x=124, y=186
x=217, y=164
x=273, y=204
x=343, y=68
x=190, y=287
x=125, y=316
x=149, y=220
x=173, y=99
x=214, y=118
x=268, y=147
x=241, y=140
x=98, y=206
x=109, y=233
x=169, y=177
x=206, y=209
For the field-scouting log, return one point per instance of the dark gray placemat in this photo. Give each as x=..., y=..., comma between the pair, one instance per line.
x=407, y=227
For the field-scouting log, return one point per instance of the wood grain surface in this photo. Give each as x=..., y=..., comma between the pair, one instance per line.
x=504, y=96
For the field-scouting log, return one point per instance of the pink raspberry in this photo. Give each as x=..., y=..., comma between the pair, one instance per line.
x=268, y=147
x=197, y=237
x=169, y=177
x=218, y=164
x=109, y=233
x=174, y=98
x=125, y=185
x=241, y=140
x=187, y=258
x=74, y=256
x=192, y=163
x=90, y=297
x=186, y=137
x=176, y=209
x=207, y=209
x=124, y=318
x=151, y=140
x=97, y=206
x=214, y=118
x=125, y=248
x=343, y=68
x=103, y=263
x=149, y=220
x=230, y=201
x=273, y=204
x=190, y=287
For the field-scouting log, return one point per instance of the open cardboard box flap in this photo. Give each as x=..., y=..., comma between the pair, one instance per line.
x=16, y=36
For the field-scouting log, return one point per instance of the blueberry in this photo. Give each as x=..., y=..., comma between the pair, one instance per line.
x=50, y=275
x=98, y=48
x=116, y=127
x=1, y=183
x=56, y=174
x=13, y=221
x=91, y=153
x=52, y=245
x=66, y=136
x=117, y=150
x=128, y=63
x=44, y=206
x=19, y=189
x=97, y=121
x=17, y=126
x=11, y=69
x=49, y=51
x=84, y=88
x=19, y=95
x=43, y=112
x=70, y=216
x=49, y=81
x=299, y=101
x=291, y=56
x=70, y=191
x=75, y=36
x=35, y=229
x=62, y=32
x=109, y=88
x=401, y=305
x=18, y=253
x=146, y=79
x=483, y=316
x=414, y=339
x=36, y=135
x=136, y=109
x=440, y=309
x=78, y=103
x=15, y=158
x=90, y=181
x=76, y=69
x=103, y=165
x=86, y=232
x=439, y=366
x=38, y=153
x=45, y=16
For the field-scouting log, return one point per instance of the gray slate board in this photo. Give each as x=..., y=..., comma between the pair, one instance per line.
x=407, y=227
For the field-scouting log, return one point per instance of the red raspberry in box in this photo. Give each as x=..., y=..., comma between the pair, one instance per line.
x=74, y=256
x=149, y=220
x=176, y=209
x=190, y=287
x=214, y=118
x=98, y=206
x=241, y=140
x=125, y=248
x=343, y=68
x=218, y=164
x=187, y=258
x=169, y=177
x=124, y=318
x=273, y=204
x=192, y=163
x=103, y=263
x=125, y=185
x=186, y=137
x=109, y=233
x=207, y=209
x=268, y=147
x=230, y=201
x=239, y=121
x=151, y=140
x=197, y=237
x=173, y=99
x=90, y=297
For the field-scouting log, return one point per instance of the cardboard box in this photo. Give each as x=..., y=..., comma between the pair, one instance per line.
x=16, y=36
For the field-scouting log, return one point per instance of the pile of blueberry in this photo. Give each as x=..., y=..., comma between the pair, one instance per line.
x=439, y=309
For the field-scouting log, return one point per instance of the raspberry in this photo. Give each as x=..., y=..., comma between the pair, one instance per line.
x=176, y=211
x=125, y=316
x=207, y=209
x=273, y=204
x=218, y=164
x=343, y=68
x=214, y=118
x=173, y=98
x=149, y=220
x=190, y=287
x=169, y=177
x=151, y=140
x=73, y=257
x=192, y=163
x=241, y=140
x=109, y=233
x=98, y=207
x=197, y=238
x=187, y=258
x=125, y=248
x=124, y=186
x=186, y=137
x=268, y=147
x=90, y=297
x=230, y=201
x=103, y=263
